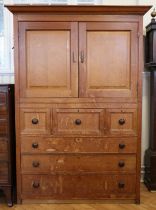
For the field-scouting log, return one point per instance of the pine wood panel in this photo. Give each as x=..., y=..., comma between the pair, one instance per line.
x=108, y=59
x=48, y=59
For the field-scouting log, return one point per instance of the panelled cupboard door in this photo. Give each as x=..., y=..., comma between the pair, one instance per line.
x=108, y=59
x=48, y=54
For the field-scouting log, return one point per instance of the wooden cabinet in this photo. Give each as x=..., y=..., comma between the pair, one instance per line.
x=78, y=102
x=150, y=154
x=7, y=142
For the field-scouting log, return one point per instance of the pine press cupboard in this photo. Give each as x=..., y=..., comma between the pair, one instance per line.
x=78, y=102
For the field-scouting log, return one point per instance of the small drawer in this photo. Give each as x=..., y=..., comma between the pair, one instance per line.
x=3, y=127
x=88, y=186
x=3, y=112
x=4, y=178
x=3, y=99
x=3, y=167
x=38, y=144
x=35, y=121
x=121, y=121
x=78, y=121
x=3, y=145
x=98, y=163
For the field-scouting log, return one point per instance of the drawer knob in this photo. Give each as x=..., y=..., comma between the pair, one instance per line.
x=121, y=184
x=122, y=146
x=122, y=121
x=78, y=122
x=34, y=121
x=35, y=164
x=34, y=145
x=36, y=184
x=121, y=164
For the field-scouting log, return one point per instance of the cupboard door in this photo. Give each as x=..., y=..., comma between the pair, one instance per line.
x=108, y=59
x=48, y=59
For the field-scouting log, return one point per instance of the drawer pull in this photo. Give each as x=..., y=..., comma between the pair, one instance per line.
x=36, y=184
x=122, y=121
x=34, y=145
x=78, y=122
x=122, y=146
x=121, y=184
x=35, y=164
x=121, y=164
x=34, y=121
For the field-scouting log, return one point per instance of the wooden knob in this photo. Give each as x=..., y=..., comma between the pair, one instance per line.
x=122, y=121
x=35, y=145
x=35, y=121
x=122, y=146
x=121, y=184
x=121, y=164
x=36, y=184
x=35, y=164
x=78, y=122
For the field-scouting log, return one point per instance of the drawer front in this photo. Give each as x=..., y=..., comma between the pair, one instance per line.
x=35, y=121
x=3, y=99
x=78, y=121
x=3, y=167
x=3, y=112
x=121, y=121
x=3, y=127
x=78, y=163
x=4, y=178
x=93, y=186
x=78, y=145
x=3, y=146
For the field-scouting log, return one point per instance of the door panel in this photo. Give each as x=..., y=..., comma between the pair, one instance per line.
x=108, y=59
x=48, y=53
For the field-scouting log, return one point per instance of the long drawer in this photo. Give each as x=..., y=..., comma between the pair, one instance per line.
x=45, y=164
x=36, y=144
x=89, y=186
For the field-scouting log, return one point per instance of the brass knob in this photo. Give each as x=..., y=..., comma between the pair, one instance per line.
x=78, y=122
x=121, y=164
x=35, y=145
x=34, y=121
x=121, y=184
x=35, y=164
x=122, y=121
x=122, y=146
x=36, y=184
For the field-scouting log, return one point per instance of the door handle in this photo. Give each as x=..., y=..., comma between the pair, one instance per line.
x=82, y=56
x=74, y=60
